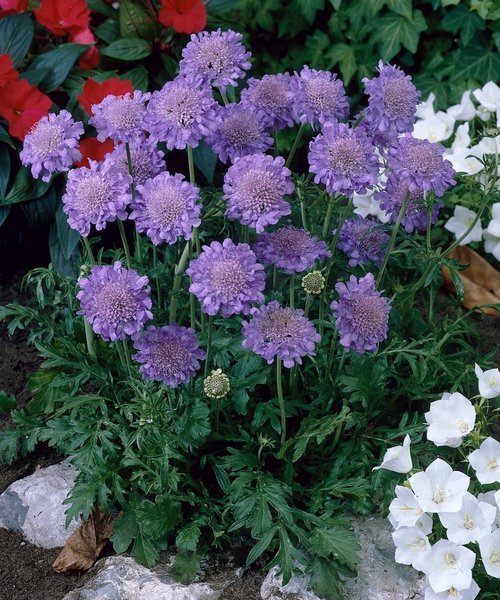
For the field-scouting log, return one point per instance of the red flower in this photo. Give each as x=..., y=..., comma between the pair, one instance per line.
x=185, y=16
x=92, y=149
x=7, y=71
x=90, y=60
x=22, y=105
x=94, y=92
x=12, y=7
x=63, y=16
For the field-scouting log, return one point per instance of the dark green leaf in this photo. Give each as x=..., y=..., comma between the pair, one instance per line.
x=185, y=567
x=59, y=62
x=16, y=33
x=463, y=20
x=139, y=78
x=340, y=544
x=98, y=6
x=262, y=545
x=459, y=286
x=135, y=22
x=324, y=579
x=401, y=7
x=5, y=137
x=124, y=531
x=394, y=31
x=5, y=169
x=62, y=265
x=41, y=211
x=68, y=238
x=309, y=9
x=344, y=55
x=474, y=62
x=219, y=7
x=7, y=402
x=144, y=551
x=160, y=517
x=24, y=188
x=187, y=538
x=194, y=425
x=128, y=49
x=4, y=213
x=205, y=160
x=8, y=445
x=109, y=31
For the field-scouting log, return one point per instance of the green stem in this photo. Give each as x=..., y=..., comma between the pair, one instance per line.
x=292, y=291
x=89, y=338
x=428, y=230
x=157, y=279
x=138, y=244
x=335, y=239
x=295, y=145
x=179, y=269
x=192, y=314
x=191, y=165
x=328, y=216
x=303, y=213
x=281, y=400
x=88, y=248
x=275, y=277
x=209, y=344
x=224, y=97
x=308, y=305
x=127, y=357
x=276, y=145
x=124, y=242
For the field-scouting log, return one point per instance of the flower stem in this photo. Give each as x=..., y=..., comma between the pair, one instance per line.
x=209, y=345
x=157, y=279
x=192, y=316
x=191, y=165
x=88, y=248
x=295, y=145
x=138, y=245
x=279, y=388
x=336, y=236
x=224, y=97
x=124, y=242
x=328, y=216
x=179, y=269
x=292, y=291
x=89, y=338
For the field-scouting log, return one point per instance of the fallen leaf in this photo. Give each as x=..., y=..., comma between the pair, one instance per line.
x=481, y=280
x=86, y=544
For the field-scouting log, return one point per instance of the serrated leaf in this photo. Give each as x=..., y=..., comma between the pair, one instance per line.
x=344, y=55
x=56, y=65
x=194, y=425
x=288, y=557
x=475, y=62
x=144, y=550
x=394, y=31
x=262, y=545
x=124, y=531
x=324, y=579
x=8, y=445
x=7, y=402
x=128, y=49
x=340, y=544
x=185, y=567
x=159, y=517
x=16, y=34
x=187, y=538
x=309, y=8
x=462, y=20
x=401, y=7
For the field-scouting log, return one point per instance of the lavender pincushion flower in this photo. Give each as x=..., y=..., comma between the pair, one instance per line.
x=239, y=132
x=318, y=97
x=227, y=277
x=115, y=301
x=169, y=354
x=271, y=95
x=421, y=165
x=254, y=189
x=362, y=314
x=147, y=161
x=182, y=112
x=51, y=146
x=218, y=57
x=120, y=118
x=292, y=249
x=343, y=159
x=362, y=241
x=166, y=207
x=276, y=331
x=96, y=196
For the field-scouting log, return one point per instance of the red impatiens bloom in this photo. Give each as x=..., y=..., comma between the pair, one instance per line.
x=12, y=7
x=63, y=16
x=90, y=60
x=185, y=16
x=92, y=149
x=7, y=71
x=94, y=92
x=22, y=105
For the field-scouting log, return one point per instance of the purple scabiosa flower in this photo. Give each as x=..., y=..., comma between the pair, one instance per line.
x=96, y=196
x=276, y=331
x=51, y=146
x=169, y=354
x=227, y=277
x=218, y=57
x=239, y=132
x=362, y=241
x=362, y=314
x=271, y=95
x=254, y=188
x=392, y=103
x=182, y=112
x=421, y=165
x=147, y=160
x=120, y=118
x=166, y=207
x=318, y=97
x=291, y=249
x=344, y=159
x=115, y=301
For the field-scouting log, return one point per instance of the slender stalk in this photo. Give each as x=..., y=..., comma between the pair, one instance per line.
x=88, y=248
x=157, y=279
x=179, y=269
x=281, y=400
x=89, y=338
x=292, y=291
x=328, y=216
x=192, y=314
x=295, y=145
x=223, y=94
x=335, y=239
x=276, y=145
x=209, y=344
x=191, y=165
x=428, y=231
x=275, y=277
x=308, y=305
x=127, y=357
x=138, y=244
x=124, y=242
x=303, y=213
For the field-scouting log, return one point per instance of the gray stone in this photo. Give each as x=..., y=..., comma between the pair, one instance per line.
x=295, y=589
x=33, y=506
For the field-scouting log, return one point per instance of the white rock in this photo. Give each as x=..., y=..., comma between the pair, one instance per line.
x=34, y=506
x=273, y=590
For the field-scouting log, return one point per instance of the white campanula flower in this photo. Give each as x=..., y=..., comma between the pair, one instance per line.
x=426, y=109
x=492, y=498
x=435, y=128
x=450, y=419
x=492, y=244
x=398, y=459
x=460, y=222
x=465, y=111
x=486, y=461
x=411, y=545
x=462, y=137
x=448, y=565
x=453, y=593
x=367, y=205
x=472, y=522
x=465, y=160
x=424, y=522
x=404, y=510
x=489, y=547
x=488, y=381
x=488, y=96
x=439, y=489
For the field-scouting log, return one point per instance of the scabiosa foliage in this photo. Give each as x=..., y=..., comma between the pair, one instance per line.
x=227, y=277
x=276, y=331
x=115, y=301
x=362, y=314
x=254, y=188
x=343, y=159
x=96, y=196
x=239, y=131
x=271, y=95
x=318, y=97
x=182, y=112
x=421, y=164
x=120, y=118
x=292, y=249
x=52, y=145
x=147, y=161
x=169, y=354
x=166, y=207
x=217, y=56
x=362, y=241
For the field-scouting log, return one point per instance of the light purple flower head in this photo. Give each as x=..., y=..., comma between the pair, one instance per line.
x=96, y=196
x=166, y=207
x=239, y=132
x=362, y=314
x=318, y=97
x=343, y=159
x=120, y=118
x=227, y=277
x=363, y=241
x=182, y=112
x=254, y=189
x=421, y=165
x=169, y=354
x=391, y=199
x=115, y=301
x=271, y=95
x=392, y=103
x=291, y=249
x=51, y=146
x=218, y=57
x=276, y=331
x=147, y=160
